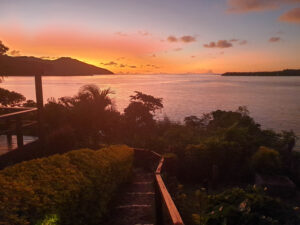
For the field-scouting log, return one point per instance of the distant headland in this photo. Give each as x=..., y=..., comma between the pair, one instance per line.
x=288, y=72
x=65, y=66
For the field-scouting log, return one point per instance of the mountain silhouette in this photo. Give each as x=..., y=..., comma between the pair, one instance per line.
x=29, y=65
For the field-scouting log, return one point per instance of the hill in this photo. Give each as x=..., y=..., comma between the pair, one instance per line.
x=65, y=66
x=287, y=72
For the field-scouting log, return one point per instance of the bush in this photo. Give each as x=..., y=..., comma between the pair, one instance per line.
x=231, y=161
x=73, y=188
x=266, y=161
x=237, y=206
x=234, y=206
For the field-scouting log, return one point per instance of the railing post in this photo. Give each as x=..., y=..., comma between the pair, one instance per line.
x=158, y=205
x=40, y=105
x=8, y=134
x=20, y=142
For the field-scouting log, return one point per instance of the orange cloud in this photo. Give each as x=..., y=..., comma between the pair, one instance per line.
x=184, y=39
x=274, y=39
x=243, y=6
x=292, y=16
x=172, y=39
x=219, y=44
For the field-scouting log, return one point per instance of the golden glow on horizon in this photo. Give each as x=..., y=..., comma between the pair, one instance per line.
x=136, y=53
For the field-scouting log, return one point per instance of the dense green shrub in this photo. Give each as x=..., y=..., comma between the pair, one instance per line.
x=228, y=157
x=235, y=206
x=266, y=161
x=73, y=188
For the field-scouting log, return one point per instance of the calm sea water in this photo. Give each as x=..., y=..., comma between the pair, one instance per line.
x=272, y=101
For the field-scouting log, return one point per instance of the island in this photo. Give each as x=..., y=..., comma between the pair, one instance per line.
x=64, y=66
x=287, y=72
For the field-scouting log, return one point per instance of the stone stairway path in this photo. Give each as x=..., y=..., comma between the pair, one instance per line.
x=136, y=204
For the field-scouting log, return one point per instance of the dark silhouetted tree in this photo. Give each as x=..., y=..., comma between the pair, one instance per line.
x=139, y=116
x=10, y=98
x=3, y=48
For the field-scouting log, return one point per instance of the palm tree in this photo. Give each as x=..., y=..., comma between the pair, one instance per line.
x=90, y=112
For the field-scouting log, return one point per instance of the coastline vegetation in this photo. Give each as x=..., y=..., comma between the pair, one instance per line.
x=287, y=72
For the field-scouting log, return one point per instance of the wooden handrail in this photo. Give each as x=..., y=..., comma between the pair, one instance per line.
x=17, y=117
x=160, y=164
x=162, y=194
x=18, y=113
x=168, y=201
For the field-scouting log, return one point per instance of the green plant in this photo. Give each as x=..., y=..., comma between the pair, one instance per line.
x=234, y=207
x=76, y=187
x=248, y=207
x=266, y=161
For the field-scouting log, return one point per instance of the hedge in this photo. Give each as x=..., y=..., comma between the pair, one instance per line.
x=73, y=188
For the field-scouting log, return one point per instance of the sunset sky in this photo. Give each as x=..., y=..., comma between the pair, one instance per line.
x=157, y=36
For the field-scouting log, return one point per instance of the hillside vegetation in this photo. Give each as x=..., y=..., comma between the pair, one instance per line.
x=30, y=66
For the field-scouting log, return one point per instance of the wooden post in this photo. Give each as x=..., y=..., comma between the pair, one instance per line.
x=20, y=142
x=40, y=105
x=8, y=134
x=9, y=140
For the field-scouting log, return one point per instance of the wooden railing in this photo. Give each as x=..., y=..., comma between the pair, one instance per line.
x=14, y=123
x=163, y=199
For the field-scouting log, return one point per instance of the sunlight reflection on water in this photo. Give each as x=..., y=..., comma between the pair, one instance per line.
x=272, y=101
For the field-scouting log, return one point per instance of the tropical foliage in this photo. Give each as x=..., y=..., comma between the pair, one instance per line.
x=235, y=206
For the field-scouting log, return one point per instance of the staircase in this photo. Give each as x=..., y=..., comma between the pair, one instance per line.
x=136, y=204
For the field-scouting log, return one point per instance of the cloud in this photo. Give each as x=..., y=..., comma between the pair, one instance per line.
x=49, y=57
x=177, y=49
x=111, y=63
x=244, y=6
x=243, y=42
x=219, y=44
x=187, y=39
x=184, y=39
x=144, y=33
x=15, y=53
x=128, y=66
x=292, y=16
x=274, y=39
x=121, y=34
x=172, y=39
x=153, y=66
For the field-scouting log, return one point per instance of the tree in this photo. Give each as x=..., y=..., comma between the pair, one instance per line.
x=142, y=108
x=29, y=103
x=139, y=116
x=90, y=113
x=3, y=48
x=10, y=98
x=148, y=101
